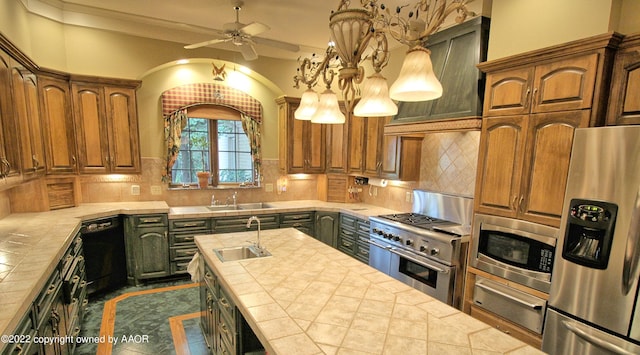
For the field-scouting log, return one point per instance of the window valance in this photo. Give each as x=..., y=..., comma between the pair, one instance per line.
x=209, y=93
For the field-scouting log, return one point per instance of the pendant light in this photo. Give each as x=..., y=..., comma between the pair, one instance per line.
x=375, y=101
x=328, y=109
x=308, y=105
x=416, y=81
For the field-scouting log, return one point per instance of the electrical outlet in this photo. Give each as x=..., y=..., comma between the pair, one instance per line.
x=268, y=187
x=135, y=190
x=408, y=196
x=156, y=190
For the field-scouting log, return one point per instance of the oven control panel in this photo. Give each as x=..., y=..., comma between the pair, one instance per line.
x=438, y=246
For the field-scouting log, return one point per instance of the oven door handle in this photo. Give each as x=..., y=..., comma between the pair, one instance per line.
x=424, y=262
x=505, y=294
x=386, y=247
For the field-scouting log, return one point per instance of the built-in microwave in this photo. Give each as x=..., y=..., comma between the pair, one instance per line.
x=514, y=249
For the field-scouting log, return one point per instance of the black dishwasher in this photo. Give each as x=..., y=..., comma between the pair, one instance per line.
x=105, y=259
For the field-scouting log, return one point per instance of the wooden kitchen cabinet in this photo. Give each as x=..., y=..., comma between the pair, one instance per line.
x=302, y=146
x=326, y=227
x=57, y=124
x=182, y=246
x=570, y=76
x=374, y=154
x=147, y=246
x=337, y=152
x=523, y=164
x=25, y=95
x=9, y=154
x=624, y=102
x=106, y=120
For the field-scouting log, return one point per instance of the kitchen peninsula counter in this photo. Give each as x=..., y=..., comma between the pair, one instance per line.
x=308, y=298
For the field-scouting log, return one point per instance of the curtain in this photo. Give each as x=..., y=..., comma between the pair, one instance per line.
x=174, y=123
x=252, y=129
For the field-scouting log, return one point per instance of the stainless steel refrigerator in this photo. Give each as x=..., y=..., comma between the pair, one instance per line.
x=593, y=302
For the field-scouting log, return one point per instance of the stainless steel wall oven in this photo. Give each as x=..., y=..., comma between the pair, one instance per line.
x=516, y=250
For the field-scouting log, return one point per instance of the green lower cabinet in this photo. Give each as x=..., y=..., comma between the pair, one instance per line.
x=147, y=246
x=327, y=227
x=302, y=221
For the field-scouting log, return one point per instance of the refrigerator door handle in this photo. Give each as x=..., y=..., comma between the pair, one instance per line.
x=632, y=251
x=594, y=339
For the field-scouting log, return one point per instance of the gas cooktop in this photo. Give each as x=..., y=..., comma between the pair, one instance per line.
x=419, y=220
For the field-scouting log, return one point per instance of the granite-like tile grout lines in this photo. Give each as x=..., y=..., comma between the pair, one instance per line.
x=107, y=326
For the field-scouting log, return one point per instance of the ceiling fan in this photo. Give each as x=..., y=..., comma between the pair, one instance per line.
x=243, y=36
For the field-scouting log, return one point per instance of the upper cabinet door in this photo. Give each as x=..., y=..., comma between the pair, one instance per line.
x=122, y=120
x=566, y=84
x=57, y=119
x=91, y=125
x=25, y=95
x=624, y=104
x=9, y=153
x=508, y=92
x=500, y=159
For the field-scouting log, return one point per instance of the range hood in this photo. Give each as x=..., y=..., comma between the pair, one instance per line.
x=455, y=54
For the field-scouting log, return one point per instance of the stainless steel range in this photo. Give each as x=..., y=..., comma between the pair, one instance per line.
x=427, y=247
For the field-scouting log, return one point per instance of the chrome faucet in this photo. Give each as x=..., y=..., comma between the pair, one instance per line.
x=235, y=198
x=213, y=200
x=251, y=219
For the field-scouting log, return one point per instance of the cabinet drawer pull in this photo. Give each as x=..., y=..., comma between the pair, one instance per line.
x=347, y=244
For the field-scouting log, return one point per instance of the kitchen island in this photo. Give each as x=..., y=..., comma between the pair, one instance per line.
x=308, y=298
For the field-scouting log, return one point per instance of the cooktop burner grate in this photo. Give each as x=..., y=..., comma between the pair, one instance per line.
x=417, y=220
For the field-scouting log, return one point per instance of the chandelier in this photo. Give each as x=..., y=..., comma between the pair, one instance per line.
x=365, y=29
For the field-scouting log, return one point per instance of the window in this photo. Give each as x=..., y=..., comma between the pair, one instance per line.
x=216, y=145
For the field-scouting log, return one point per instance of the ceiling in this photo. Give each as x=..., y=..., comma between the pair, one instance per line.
x=301, y=22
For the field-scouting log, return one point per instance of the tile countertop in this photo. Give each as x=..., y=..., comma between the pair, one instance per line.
x=308, y=298
x=32, y=244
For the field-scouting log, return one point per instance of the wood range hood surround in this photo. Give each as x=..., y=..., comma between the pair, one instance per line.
x=455, y=53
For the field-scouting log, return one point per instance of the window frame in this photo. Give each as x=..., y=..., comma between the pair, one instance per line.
x=214, y=113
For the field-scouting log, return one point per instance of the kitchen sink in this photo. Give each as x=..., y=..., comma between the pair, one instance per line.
x=240, y=206
x=240, y=253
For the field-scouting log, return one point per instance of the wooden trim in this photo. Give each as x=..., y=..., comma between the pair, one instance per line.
x=180, y=341
x=419, y=128
x=607, y=40
x=107, y=326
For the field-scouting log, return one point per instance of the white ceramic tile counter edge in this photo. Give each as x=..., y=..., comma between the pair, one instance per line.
x=308, y=298
x=31, y=245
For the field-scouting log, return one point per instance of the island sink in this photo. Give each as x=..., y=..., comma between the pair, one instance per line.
x=240, y=253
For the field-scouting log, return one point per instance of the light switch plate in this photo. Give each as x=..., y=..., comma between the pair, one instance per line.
x=408, y=196
x=135, y=190
x=268, y=187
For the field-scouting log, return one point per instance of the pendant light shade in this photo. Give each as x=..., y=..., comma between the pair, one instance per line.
x=308, y=105
x=375, y=101
x=416, y=81
x=328, y=109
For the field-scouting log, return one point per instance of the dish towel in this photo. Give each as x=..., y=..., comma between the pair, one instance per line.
x=194, y=268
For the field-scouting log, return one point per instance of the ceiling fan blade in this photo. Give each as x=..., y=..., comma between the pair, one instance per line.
x=254, y=28
x=205, y=43
x=278, y=44
x=248, y=52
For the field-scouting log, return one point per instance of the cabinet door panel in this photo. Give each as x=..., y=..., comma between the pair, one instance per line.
x=152, y=254
x=500, y=164
x=122, y=117
x=58, y=126
x=565, y=84
x=390, y=153
x=91, y=135
x=296, y=151
x=316, y=148
x=31, y=91
x=8, y=138
x=624, y=105
x=337, y=138
x=546, y=165
x=372, y=162
x=508, y=92
x=356, y=144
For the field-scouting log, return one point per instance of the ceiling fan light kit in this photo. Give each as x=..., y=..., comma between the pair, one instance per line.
x=351, y=31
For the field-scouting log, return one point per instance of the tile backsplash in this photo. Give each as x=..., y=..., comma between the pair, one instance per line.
x=448, y=165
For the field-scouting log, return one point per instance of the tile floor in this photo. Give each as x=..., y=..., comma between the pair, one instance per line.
x=143, y=315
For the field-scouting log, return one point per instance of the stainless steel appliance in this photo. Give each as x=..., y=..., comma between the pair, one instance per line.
x=514, y=249
x=426, y=248
x=593, y=303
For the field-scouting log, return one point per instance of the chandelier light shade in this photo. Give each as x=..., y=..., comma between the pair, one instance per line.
x=328, y=111
x=308, y=105
x=375, y=101
x=417, y=81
